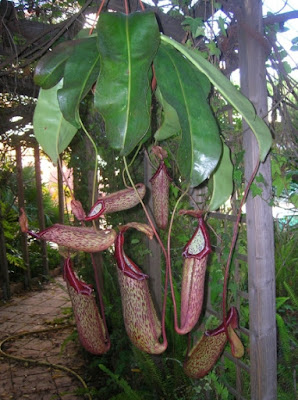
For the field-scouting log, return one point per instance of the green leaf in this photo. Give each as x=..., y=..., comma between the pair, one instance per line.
x=51, y=130
x=196, y=26
x=81, y=72
x=294, y=43
x=121, y=382
x=170, y=125
x=84, y=33
x=221, y=25
x=127, y=45
x=185, y=89
x=230, y=93
x=280, y=182
x=291, y=293
x=49, y=70
x=282, y=53
x=287, y=67
x=213, y=49
x=284, y=338
x=280, y=301
x=237, y=176
x=294, y=199
x=260, y=179
x=135, y=241
x=222, y=180
x=294, y=47
x=256, y=190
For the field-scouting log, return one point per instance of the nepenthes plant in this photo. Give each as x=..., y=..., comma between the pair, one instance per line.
x=126, y=63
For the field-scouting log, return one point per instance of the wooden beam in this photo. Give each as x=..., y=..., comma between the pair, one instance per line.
x=280, y=18
x=260, y=237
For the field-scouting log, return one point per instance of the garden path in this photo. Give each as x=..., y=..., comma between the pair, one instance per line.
x=32, y=312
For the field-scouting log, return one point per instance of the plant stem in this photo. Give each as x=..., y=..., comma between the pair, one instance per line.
x=169, y=259
x=161, y=245
x=132, y=161
x=96, y=160
x=234, y=239
x=96, y=17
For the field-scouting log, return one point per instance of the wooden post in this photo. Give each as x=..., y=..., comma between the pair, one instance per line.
x=21, y=204
x=41, y=220
x=260, y=236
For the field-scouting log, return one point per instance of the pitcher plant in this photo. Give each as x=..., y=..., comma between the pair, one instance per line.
x=130, y=69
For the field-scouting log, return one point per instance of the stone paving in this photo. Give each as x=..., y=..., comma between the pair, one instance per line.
x=31, y=312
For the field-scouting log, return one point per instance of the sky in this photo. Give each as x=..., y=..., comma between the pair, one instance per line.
x=282, y=6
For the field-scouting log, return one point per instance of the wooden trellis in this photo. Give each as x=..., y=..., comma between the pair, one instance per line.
x=4, y=273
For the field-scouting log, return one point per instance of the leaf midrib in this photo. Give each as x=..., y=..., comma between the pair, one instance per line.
x=187, y=111
x=49, y=76
x=85, y=81
x=235, y=98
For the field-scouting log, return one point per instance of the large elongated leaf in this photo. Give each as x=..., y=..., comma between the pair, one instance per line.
x=80, y=73
x=170, y=125
x=127, y=45
x=185, y=89
x=222, y=180
x=51, y=130
x=231, y=94
x=49, y=70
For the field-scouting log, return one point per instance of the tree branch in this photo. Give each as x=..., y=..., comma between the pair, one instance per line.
x=280, y=18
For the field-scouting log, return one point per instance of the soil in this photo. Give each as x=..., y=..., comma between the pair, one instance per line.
x=33, y=312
